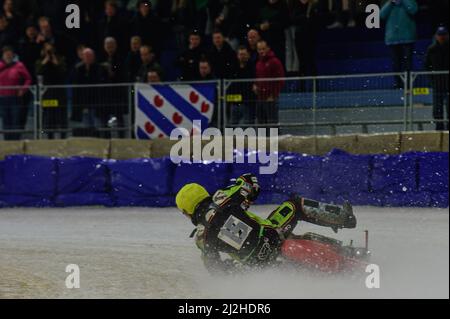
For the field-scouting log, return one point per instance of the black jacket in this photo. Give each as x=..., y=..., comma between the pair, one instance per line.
x=132, y=64
x=149, y=29
x=188, y=62
x=224, y=61
x=437, y=59
x=86, y=96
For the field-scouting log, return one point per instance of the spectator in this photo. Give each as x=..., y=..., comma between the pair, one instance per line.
x=437, y=59
x=400, y=33
x=304, y=18
x=52, y=68
x=224, y=15
x=181, y=18
x=344, y=10
x=153, y=77
x=249, y=16
x=201, y=16
x=148, y=60
x=222, y=57
x=7, y=33
x=10, y=13
x=438, y=13
x=113, y=61
x=63, y=45
x=253, y=37
x=13, y=73
x=205, y=71
x=267, y=92
x=30, y=50
x=148, y=26
x=115, y=97
x=133, y=61
x=189, y=59
x=206, y=74
x=26, y=9
x=87, y=99
x=112, y=25
x=243, y=110
x=273, y=20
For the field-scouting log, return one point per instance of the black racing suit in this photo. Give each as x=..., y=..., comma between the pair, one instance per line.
x=225, y=226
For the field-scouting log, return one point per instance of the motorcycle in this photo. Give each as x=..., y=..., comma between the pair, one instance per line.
x=324, y=254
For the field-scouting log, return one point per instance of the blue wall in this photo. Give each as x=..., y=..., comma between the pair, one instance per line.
x=407, y=180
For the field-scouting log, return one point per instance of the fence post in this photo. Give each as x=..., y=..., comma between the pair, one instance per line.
x=222, y=105
x=34, y=91
x=130, y=110
x=406, y=96
x=412, y=78
x=40, y=89
x=314, y=106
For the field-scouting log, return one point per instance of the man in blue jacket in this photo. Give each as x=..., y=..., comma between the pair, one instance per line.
x=400, y=33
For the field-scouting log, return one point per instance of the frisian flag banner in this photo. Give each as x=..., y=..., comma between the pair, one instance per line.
x=161, y=108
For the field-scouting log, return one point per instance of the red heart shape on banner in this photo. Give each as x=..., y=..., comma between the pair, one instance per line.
x=161, y=135
x=205, y=107
x=193, y=97
x=177, y=118
x=149, y=128
x=159, y=102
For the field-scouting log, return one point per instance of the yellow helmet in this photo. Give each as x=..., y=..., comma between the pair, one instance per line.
x=189, y=197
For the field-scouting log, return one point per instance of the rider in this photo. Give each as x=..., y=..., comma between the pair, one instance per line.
x=224, y=224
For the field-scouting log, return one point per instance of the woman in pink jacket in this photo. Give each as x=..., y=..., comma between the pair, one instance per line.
x=16, y=79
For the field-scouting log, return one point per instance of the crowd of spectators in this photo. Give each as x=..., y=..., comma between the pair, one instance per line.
x=123, y=41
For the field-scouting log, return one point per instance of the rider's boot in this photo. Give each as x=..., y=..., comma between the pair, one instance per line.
x=328, y=215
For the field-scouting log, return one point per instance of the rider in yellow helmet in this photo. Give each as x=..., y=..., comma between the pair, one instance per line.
x=224, y=224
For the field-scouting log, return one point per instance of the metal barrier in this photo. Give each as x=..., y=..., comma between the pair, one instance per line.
x=18, y=109
x=362, y=103
x=86, y=111
x=321, y=105
x=429, y=101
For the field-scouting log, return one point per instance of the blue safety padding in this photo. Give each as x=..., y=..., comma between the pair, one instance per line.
x=439, y=200
x=407, y=199
x=141, y=177
x=433, y=172
x=11, y=200
x=150, y=201
x=271, y=198
x=82, y=175
x=367, y=199
x=2, y=179
x=28, y=175
x=394, y=174
x=84, y=199
x=299, y=174
x=408, y=180
x=212, y=176
x=343, y=173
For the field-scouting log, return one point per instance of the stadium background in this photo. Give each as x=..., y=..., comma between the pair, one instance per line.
x=342, y=46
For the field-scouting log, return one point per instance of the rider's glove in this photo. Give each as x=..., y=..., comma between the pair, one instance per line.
x=250, y=188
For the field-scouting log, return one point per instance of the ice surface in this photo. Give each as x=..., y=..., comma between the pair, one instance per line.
x=146, y=253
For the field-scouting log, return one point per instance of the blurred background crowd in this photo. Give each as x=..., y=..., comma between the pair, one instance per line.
x=125, y=41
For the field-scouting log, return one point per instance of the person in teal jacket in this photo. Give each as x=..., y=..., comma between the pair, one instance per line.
x=400, y=33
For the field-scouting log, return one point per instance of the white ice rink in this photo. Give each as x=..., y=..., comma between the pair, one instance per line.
x=146, y=253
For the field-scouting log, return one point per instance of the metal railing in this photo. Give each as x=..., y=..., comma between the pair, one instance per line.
x=361, y=103
x=429, y=101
